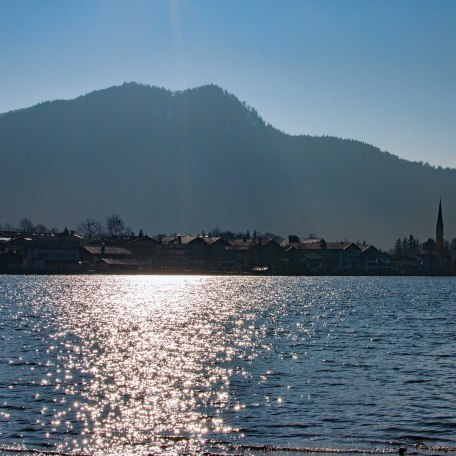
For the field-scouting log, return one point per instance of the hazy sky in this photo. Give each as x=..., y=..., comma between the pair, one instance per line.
x=383, y=72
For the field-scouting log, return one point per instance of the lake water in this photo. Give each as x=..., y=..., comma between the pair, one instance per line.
x=190, y=364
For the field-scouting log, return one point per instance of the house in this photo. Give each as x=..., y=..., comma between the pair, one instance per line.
x=146, y=251
x=374, y=261
x=301, y=262
x=219, y=258
x=239, y=254
x=52, y=254
x=109, y=258
x=338, y=257
x=342, y=257
x=142, y=247
x=259, y=254
x=183, y=253
x=301, y=256
x=267, y=253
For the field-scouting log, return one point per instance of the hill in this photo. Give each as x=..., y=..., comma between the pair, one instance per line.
x=188, y=161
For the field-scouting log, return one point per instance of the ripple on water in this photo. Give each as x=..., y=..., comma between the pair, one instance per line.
x=141, y=364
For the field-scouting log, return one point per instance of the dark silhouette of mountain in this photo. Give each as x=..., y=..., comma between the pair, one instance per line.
x=188, y=161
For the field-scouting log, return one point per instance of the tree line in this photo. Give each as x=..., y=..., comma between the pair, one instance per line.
x=89, y=229
x=26, y=226
x=411, y=246
x=114, y=226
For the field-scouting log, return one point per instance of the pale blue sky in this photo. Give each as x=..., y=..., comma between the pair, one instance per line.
x=382, y=72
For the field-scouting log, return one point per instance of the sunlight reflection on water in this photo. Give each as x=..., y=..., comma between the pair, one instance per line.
x=120, y=364
x=150, y=355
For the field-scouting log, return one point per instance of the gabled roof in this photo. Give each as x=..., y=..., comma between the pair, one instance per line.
x=118, y=262
x=311, y=242
x=369, y=249
x=189, y=239
x=321, y=244
x=182, y=240
x=50, y=242
x=266, y=243
x=301, y=245
x=215, y=240
x=143, y=239
x=244, y=241
x=108, y=250
x=243, y=244
x=342, y=246
x=247, y=244
x=103, y=240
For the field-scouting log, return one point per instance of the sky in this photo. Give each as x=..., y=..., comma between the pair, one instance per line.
x=382, y=72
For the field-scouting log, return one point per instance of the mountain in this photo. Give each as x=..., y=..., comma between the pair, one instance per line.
x=188, y=161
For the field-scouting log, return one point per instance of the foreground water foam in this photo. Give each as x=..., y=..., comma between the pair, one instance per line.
x=184, y=364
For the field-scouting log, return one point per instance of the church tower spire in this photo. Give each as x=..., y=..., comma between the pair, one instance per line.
x=439, y=231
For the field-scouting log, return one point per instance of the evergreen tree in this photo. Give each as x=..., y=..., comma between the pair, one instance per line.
x=405, y=246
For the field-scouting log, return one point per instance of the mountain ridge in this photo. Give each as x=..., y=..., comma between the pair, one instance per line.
x=190, y=160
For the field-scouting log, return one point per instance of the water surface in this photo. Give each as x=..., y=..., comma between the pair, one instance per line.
x=183, y=364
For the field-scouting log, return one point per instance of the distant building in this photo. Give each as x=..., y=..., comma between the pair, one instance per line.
x=66, y=252
x=439, y=231
x=253, y=255
x=316, y=256
x=109, y=258
x=374, y=261
x=49, y=253
x=52, y=254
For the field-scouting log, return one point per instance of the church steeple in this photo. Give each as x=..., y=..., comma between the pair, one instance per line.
x=439, y=230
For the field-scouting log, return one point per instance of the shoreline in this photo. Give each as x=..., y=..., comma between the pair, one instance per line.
x=209, y=273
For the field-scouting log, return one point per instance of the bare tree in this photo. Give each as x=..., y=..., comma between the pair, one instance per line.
x=26, y=226
x=40, y=228
x=115, y=225
x=90, y=228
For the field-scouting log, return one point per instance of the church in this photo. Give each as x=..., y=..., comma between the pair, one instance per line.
x=439, y=231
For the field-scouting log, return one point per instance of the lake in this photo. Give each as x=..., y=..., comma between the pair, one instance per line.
x=193, y=364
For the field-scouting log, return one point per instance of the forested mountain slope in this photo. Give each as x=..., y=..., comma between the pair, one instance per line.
x=188, y=161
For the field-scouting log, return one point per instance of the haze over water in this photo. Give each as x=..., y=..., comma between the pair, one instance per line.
x=184, y=364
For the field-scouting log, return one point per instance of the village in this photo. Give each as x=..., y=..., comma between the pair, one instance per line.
x=70, y=253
